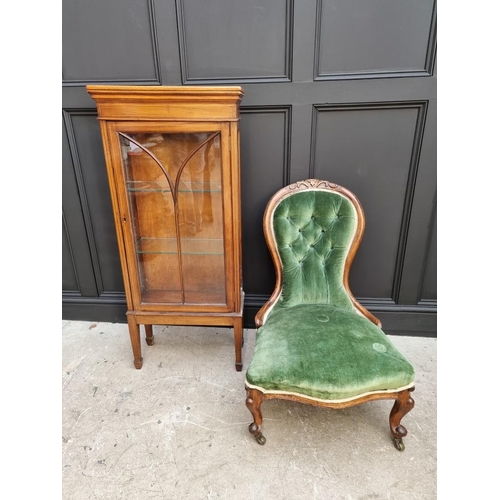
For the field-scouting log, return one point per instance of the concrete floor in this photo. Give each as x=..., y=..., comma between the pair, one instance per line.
x=178, y=428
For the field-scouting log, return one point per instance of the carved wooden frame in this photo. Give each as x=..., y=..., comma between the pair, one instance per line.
x=255, y=397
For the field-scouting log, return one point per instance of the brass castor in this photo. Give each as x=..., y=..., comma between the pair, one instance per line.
x=260, y=439
x=398, y=443
x=253, y=428
x=150, y=340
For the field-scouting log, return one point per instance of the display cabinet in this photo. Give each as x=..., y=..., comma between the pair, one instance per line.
x=172, y=157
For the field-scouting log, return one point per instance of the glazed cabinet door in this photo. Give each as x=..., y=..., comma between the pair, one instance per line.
x=173, y=182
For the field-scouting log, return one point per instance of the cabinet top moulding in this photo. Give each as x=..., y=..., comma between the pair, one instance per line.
x=185, y=103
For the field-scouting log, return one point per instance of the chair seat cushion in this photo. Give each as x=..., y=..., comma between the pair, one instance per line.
x=325, y=353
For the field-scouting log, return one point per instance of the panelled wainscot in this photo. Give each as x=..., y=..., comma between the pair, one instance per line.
x=173, y=164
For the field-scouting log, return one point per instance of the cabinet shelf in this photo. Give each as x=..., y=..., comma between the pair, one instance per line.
x=163, y=187
x=188, y=246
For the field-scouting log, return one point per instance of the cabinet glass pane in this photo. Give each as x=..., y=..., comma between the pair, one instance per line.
x=175, y=194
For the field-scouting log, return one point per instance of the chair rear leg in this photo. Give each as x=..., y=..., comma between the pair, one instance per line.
x=253, y=402
x=401, y=407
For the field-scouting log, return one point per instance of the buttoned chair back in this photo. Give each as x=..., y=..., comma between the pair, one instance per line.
x=313, y=230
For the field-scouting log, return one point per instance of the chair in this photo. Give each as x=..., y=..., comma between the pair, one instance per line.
x=315, y=343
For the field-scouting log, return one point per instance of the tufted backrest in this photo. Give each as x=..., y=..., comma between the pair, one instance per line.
x=313, y=232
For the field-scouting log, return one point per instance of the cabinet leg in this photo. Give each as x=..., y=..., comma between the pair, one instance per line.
x=150, y=338
x=135, y=339
x=238, y=342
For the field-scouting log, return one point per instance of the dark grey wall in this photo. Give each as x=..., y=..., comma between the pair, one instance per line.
x=343, y=90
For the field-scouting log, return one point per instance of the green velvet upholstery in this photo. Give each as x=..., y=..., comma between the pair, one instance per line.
x=313, y=341
x=327, y=353
x=313, y=231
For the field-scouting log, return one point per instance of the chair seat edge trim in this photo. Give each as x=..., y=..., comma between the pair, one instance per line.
x=327, y=401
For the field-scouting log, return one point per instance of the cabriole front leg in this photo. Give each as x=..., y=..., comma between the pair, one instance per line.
x=253, y=402
x=401, y=407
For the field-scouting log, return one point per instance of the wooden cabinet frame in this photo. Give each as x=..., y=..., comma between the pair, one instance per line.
x=191, y=126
